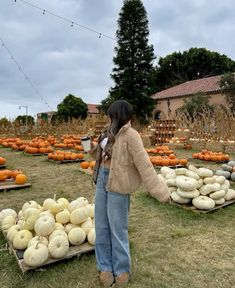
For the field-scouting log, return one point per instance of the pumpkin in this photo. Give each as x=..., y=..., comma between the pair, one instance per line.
x=181, y=171
x=7, y=212
x=3, y=176
x=188, y=194
x=204, y=172
x=208, y=188
x=226, y=174
x=58, y=233
x=29, y=221
x=79, y=215
x=58, y=246
x=63, y=217
x=91, y=236
x=186, y=183
x=183, y=162
x=12, y=231
x=219, y=179
x=203, y=202
x=231, y=163
x=192, y=174
x=64, y=201
x=36, y=255
x=226, y=167
x=47, y=203
x=68, y=227
x=38, y=239
x=7, y=222
x=233, y=176
x=87, y=225
x=2, y=161
x=85, y=165
x=21, y=239
x=178, y=199
x=83, y=201
x=20, y=179
x=192, y=168
x=230, y=195
x=209, y=180
x=74, y=205
x=80, y=156
x=199, y=183
x=57, y=206
x=30, y=204
x=226, y=185
x=77, y=236
x=219, y=201
x=218, y=194
x=91, y=210
x=166, y=170
x=58, y=226
x=44, y=225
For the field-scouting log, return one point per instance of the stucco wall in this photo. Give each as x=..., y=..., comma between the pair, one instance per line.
x=167, y=107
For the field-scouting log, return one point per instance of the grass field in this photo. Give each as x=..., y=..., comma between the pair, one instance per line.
x=170, y=247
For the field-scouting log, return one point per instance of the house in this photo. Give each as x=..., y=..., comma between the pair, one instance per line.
x=93, y=111
x=169, y=100
x=45, y=116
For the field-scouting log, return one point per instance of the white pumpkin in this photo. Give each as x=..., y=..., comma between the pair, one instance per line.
x=172, y=189
x=68, y=227
x=91, y=236
x=77, y=236
x=22, y=239
x=29, y=211
x=47, y=203
x=218, y=194
x=30, y=220
x=64, y=201
x=57, y=206
x=20, y=214
x=171, y=182
x=36, y=255
x=209, y=180
x=7, y=212
x=79, y=215
x=91, y=210
x=7, y=222
x=178, y=199
x=181, y=171
x=186, y=183
x=192, y=174
x=226, y=185
x=219, y=201
x=87, y=225
x=203, y=202
x=192, y=168
x=75, y=204
x=12, y=232
x=58, y=233
x=83, y=200
x=58, y=246
x=170, y=176
x=47, y=213
x=219, y=179
x=166, y=170
x=58, y=226
x=230, y=195
x=30, y=204
x=199, y=183
x=208, y=188
x=44, y=225
x=38, y=239
x=204, y=172
x=63, y=217
x=188, y=194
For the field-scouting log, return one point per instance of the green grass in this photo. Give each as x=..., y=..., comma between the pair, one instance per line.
x=170, y=247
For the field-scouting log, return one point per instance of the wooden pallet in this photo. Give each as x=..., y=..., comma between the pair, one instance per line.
x=36, y=154
x=194, y=209
x=66, y=161
x=172, y=167
x=10, y=184
x=74, y=251
x=2, y=166
x=88, y=171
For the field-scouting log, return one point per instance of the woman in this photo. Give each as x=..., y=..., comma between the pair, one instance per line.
x=121, y=165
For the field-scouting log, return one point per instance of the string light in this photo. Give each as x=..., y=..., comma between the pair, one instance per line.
x=24, y=74
x=72, y=23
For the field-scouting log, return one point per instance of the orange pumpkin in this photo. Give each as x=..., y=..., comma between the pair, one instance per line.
x=85, y=165
x=172, y=156
x=14, y=173
x=165, y=162
x=2, y=161
x=3, y=176
x=92, y=164
x=183, y=162
x=80, y=156
x=20, y=179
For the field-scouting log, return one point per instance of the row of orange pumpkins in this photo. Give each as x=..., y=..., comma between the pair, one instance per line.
x=19, y=177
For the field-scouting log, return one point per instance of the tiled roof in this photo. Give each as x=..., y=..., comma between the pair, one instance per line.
x=92, y=109
x=205, y=85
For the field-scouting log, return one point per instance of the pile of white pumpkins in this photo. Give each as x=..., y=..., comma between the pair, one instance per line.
x=227, y=170
x=47, y=231
x=197, y=186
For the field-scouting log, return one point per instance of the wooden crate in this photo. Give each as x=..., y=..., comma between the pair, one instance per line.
x=36, y=154
x=66, y=161
x=74, y=251
x=2, y=166
x=10, y=184
x=190, y=207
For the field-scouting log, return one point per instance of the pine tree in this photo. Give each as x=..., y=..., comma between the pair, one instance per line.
x=133, y=69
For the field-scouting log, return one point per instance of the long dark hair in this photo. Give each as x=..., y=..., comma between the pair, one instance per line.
x=120, y=113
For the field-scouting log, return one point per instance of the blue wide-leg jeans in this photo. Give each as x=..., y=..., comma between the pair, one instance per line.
x=111, y=227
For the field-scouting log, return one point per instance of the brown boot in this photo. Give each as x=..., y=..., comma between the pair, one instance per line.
x=122, y=279
x=106, y=278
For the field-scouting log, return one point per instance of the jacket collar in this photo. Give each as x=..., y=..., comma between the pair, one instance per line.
x=124, y=127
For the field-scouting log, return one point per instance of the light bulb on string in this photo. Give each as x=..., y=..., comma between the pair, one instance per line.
x=100, y=35
x=44, y=12
x=72, y=24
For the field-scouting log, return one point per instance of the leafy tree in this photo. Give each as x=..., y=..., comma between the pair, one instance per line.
x=71, y=107
x=195, y=63
x=195, y=107
x=227, y=82
x=21, y=120
x=133, y=59
x=4, y=122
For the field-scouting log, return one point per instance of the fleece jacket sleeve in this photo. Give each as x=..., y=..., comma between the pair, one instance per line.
x=156, y=187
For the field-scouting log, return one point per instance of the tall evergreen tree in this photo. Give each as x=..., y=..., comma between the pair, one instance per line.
x=133, y=69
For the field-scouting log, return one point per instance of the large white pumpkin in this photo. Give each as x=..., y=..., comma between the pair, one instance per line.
x=58, y=246
x=79, y=215
x=47, y=203
x=188, y=194
x=22, y=239
x=12, y=232
x=64, y=201
x=44, y=225
x=209, y=188
x=7, y=212
x=63, y=217
x=77, y=236
x=58, y=233
x=38, y=239
x=186, y=183
x=230, y=195
x=31, y=217
x=91, y=236
x=7, y=222
x=217, y=194
x=203, y=202
x=36, y=255
x=75, y=204
x=204, y=172
x=178, y=199
x=30, y=204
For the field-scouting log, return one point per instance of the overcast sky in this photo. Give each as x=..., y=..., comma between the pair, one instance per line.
x=60, y=59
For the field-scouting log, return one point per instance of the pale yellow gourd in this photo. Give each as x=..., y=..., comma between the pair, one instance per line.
x=77, y=236
x=21, y=239
x=58, y=226
x=30, y=204
x=58, y=246
x=87, y=225
x=38, y=239
x=91, y=236
x=188, y=194
x=63, y=217
x=44, y=225
x=178, y=199
x=79, y=215
x=7, y=222
x=91, y=210
x=218, y=194
x=68, y=227
x=36, y=255
x=7, y=212
x=12, y=232
x=58, y=233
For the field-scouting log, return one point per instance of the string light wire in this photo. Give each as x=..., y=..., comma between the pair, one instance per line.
x=71, y=22
x=24, y=74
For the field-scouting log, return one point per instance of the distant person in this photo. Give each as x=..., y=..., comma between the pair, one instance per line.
x=121, y=165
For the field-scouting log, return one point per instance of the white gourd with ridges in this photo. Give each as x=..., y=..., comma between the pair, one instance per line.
x=91, y=210
x=204, y=172
x=87, y=225
x=7, y=212
x=230, y=195
x=208, y=188
x=91, y=236
x=63, y=217
x=36, y=255
x=58, y=226
x=68, y=227
x=58, y=233
x=218, y=194
x=38, y=239
x=44, y=225
x=58, y=246
x=188, y=194
x=77, y=236
x=7, y=222
x=30, y=204
x=47, y=203
x=186, y=183
x=203, y=202
x=79, y=215
x=178, y=199
x=22, y=239
x=219, y=201
x=12, y=232
x=83, y=200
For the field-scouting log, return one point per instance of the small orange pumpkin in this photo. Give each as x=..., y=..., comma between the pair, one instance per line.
x=20, y=179
x=85, y=165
